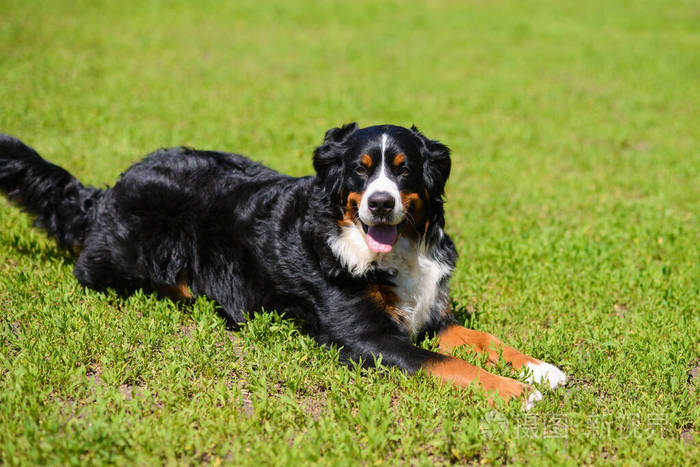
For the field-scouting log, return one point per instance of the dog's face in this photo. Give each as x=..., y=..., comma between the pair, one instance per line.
x=386, y=180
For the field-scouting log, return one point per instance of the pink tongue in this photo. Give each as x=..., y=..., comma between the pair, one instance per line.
x=381, y=238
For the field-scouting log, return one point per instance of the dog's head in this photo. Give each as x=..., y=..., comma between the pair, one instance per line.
x=386, y=180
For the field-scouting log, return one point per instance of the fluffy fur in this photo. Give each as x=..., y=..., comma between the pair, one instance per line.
x=357, y=253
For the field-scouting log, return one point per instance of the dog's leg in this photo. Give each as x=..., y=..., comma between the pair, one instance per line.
x=397, y=351
x=454, y=336
x=463, y=374
x=180, y=291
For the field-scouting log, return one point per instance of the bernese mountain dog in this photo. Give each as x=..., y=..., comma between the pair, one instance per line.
x=358, y=252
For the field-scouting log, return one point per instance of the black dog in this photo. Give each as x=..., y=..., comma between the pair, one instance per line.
x=358, y=252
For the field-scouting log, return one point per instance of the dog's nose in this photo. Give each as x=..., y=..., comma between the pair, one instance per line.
x=381, y=203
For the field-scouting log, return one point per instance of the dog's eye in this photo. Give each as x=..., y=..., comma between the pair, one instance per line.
x=360, y=170
x=404, y=171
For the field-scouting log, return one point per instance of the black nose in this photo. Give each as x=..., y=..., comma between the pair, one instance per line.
x=381, y=203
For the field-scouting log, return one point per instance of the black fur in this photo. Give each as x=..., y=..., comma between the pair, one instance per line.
x=61, y=204
x=240, y=233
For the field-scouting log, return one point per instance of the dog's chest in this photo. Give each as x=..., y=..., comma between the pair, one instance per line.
x=419, y=286
x=419, y=280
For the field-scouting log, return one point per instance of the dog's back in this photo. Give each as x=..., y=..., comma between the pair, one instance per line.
x=181, y=221
x=183, y=216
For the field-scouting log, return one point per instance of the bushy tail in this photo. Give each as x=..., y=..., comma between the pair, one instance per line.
x=61, y=204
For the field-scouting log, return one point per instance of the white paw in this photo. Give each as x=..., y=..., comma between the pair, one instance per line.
x=542, y=371
x=532, y=398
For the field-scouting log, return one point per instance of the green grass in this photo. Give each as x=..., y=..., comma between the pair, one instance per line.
x=574, y=202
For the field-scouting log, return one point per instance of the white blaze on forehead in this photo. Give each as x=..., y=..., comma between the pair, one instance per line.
x=379, y=184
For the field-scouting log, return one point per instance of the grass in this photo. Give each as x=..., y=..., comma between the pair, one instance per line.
x=573, y=202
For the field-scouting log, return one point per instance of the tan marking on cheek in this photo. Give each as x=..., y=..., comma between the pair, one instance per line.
x=414, y=207
x=351, y=206
x=366, y=160
x=399, y=159
x=414, y=204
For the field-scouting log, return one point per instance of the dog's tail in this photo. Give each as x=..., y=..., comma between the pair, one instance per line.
x=61, y=204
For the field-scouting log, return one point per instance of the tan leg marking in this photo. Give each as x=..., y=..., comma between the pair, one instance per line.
x=455, y=336
x=179, y=291
x=462, y=374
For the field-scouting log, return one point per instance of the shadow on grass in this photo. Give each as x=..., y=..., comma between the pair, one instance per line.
x=468, y=315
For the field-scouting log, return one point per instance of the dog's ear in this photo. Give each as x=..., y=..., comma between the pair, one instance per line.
x=436, y=164
x=328, y=158
x=436, y=170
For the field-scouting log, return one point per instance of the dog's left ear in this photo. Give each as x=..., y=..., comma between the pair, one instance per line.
x=328, y=157
x=436, y=170
x=436, y=165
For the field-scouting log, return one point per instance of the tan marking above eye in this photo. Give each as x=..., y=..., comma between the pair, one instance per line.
x=399, y=159
x=366, y=160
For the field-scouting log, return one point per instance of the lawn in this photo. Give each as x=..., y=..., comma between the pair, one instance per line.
x=574, y=203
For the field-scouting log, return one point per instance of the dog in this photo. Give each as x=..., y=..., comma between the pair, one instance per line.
x=358, y=253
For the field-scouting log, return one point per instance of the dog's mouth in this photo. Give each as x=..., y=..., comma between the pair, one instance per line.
x=380, y=238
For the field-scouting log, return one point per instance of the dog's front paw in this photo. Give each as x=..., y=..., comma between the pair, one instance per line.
x=541, y=371
x=534, y=397
x=507, y=389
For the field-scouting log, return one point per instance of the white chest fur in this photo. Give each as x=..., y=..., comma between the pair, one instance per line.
x=417, y=275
